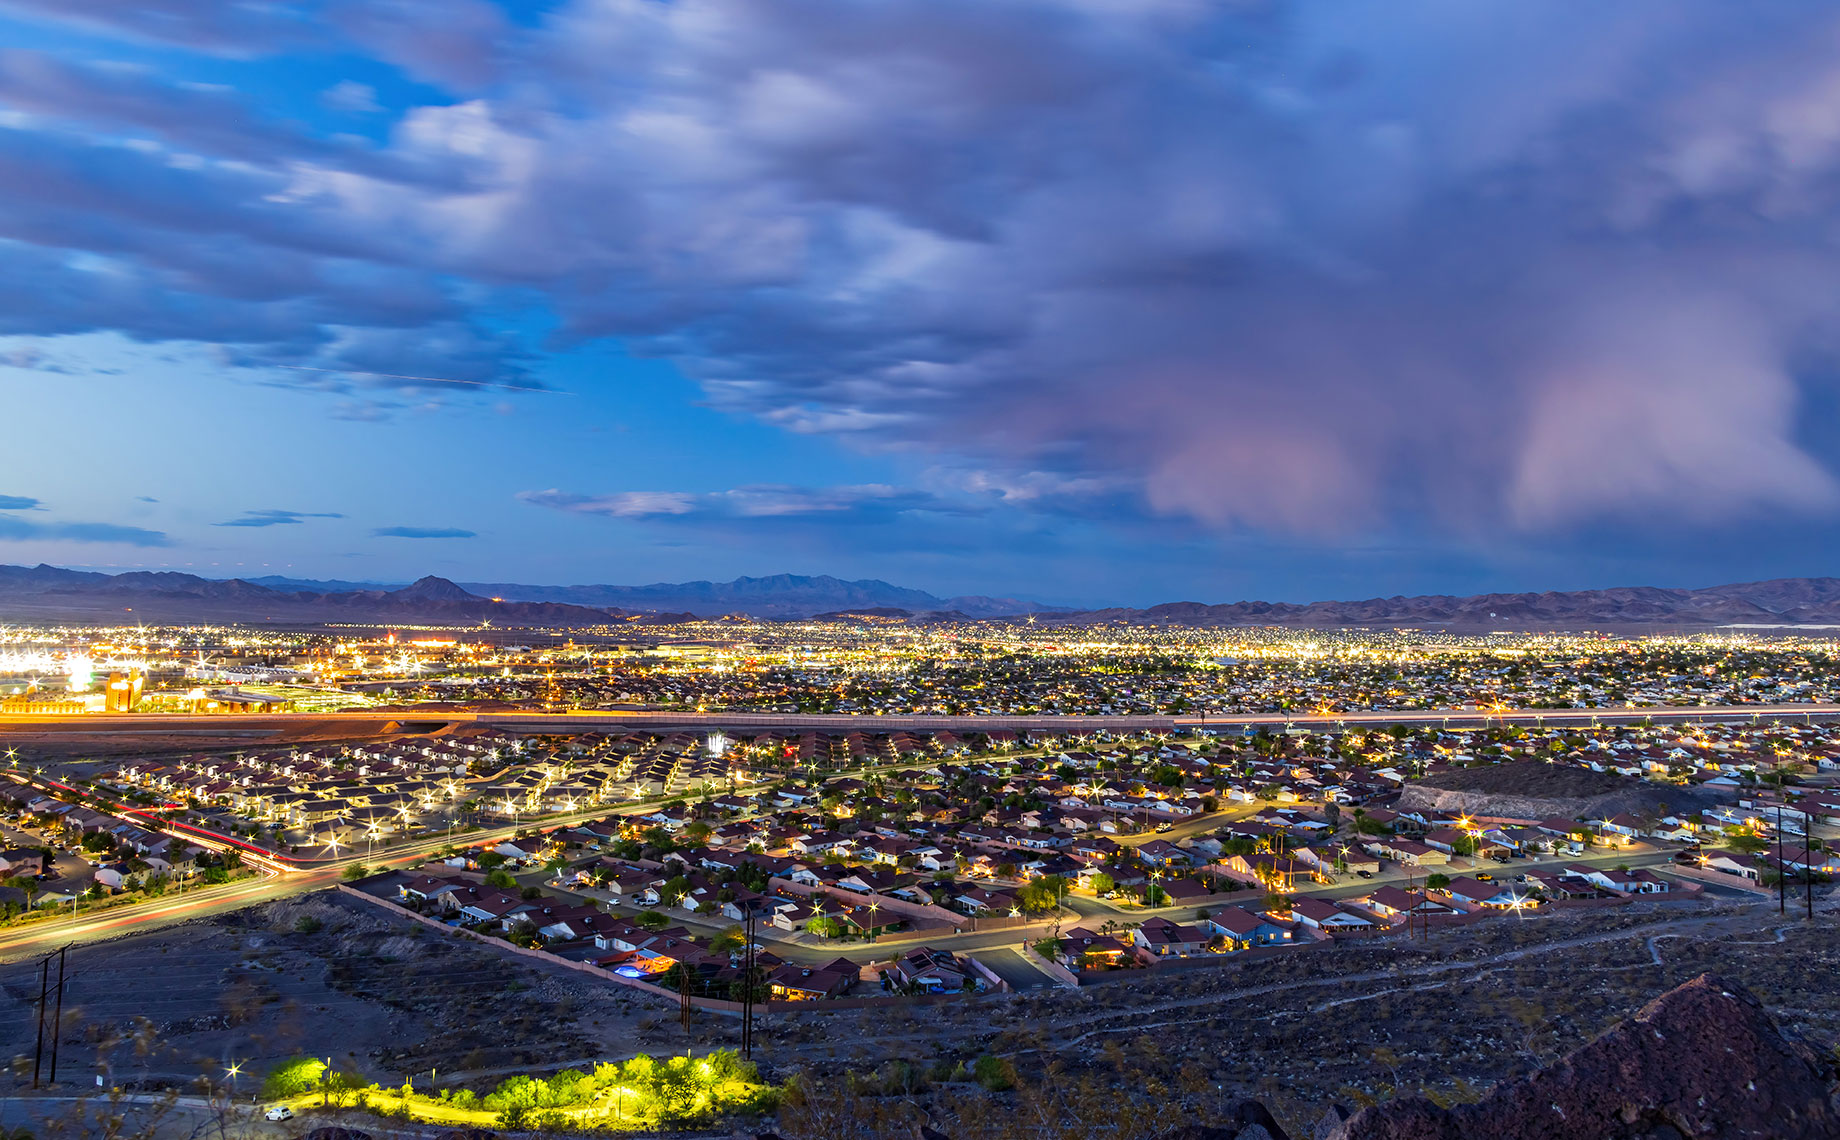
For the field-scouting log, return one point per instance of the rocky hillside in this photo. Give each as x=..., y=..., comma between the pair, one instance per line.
x=1534, y=789
x=1700, y=1062
x=1704, y=1061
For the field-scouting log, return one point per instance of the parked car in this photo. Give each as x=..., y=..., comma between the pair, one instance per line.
x=1365, y=874
x=279, y=1112
x=1485, y=877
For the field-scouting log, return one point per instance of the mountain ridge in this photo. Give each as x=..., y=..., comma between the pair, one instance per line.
x=50, y=591
x=1775, y=601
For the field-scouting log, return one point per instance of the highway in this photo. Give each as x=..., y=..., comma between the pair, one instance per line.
x=585, y=720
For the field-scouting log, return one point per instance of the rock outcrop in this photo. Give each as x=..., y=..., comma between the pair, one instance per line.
x=1703, y=1061
x=1533, y=789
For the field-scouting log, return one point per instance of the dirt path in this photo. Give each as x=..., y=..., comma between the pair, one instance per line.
x=1746, y=921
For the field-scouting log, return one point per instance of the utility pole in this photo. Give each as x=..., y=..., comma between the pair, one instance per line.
x=1808, y=857
x=747, y=986
x=57, y=1016
x=1782, y=868
x=44, y=977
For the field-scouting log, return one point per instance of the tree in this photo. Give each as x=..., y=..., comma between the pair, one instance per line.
x=354, y=871
x=1103, y=883
x=697, y=832
x=1437, y=881
x=824, y=926
x=500, y=878
x=293, y=1077
x=728, y=941
x=1042, y=894
x=651, y=920
x=1748, y=842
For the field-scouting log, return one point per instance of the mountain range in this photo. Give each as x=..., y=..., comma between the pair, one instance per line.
x=51, y=593
x=1780, y=601
x=776, y=596
x=48, y=593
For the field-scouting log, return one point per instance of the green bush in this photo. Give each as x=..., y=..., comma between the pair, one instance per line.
x=292, y=1077
x=994, y=1073
x=307, y=924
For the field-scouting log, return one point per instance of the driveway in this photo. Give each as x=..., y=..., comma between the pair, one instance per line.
x=1013, y=968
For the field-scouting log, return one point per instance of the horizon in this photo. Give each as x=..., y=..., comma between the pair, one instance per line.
x=284, y=581
x=1090, y=304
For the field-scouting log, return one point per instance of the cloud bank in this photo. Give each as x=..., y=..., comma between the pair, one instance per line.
x=1413, y=266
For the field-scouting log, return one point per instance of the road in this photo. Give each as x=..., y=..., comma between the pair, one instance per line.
x=184, y=1119
x=593, y=720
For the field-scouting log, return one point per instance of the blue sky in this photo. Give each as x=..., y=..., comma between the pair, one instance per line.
x=1068, y=299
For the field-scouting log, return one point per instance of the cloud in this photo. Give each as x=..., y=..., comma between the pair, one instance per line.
x=230, y=27
x=21, y=529
x=762, y=501
x=1403, y=267
x=421, y=532
x=278, y=518
x=18, y=503
x=351, y=97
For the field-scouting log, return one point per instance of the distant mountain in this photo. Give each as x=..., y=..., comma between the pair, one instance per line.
x=776, y=596
x=1780, y=601
x=319, y=586
x=51, y=593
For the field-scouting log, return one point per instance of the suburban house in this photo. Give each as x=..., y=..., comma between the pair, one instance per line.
x=808, y=983
x=1162, y=937
x=931, y=970
x=1639, y=882
x=1493, y=896
x=1409, y=852
x=1391, y=902
x=1083, y=949
x=1162, y=853
x=1739, y=864
x=1325, y=915
x=1241, y=928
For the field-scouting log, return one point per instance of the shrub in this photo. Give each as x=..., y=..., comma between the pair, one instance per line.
x=994, y=1073
x=292, y=1077
x=307, y=924
x=353, y=872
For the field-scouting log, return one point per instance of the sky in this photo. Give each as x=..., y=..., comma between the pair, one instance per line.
x=1082, y=301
